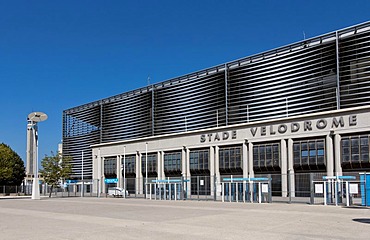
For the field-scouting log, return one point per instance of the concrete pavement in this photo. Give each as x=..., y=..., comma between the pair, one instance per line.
x=117, y=218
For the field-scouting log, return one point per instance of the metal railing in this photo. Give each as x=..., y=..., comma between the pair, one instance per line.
x=350, y=188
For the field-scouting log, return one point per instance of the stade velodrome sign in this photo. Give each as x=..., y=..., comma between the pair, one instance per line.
x=294, y=127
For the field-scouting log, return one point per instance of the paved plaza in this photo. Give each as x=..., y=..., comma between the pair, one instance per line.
x=117, y=218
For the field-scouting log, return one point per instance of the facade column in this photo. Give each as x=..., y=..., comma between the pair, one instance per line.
x=217, y=163
x=217, y=171
x=291, y=177
x=245, y=160
x=188, y=184
x=329, y=156
x=161, y=174
x=250, y=160
x=184, y=163
x=103, y=188
x=159, y=165
x=284, y=168
x=250, y=171
x=119, y=172
x=99, y=175
x=337, y=162
x=139, y=175
x=184, y=168
x=212, y=168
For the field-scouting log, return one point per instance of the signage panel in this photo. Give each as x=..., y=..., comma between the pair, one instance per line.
x=265, y=188
x=319, y=188
x=353, y=188
x=111, y=180
x=71, y=181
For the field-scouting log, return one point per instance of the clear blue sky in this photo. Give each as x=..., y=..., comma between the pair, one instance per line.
x=55, y=55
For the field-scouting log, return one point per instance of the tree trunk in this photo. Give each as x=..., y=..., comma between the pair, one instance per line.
x=51, y=190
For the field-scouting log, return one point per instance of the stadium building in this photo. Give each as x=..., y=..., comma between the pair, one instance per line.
x=288, y=113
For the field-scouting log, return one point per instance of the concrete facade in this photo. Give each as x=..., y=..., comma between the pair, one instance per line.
x=330, y=125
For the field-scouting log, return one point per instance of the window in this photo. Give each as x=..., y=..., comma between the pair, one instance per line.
x=110, y=167
x=266, y=157
x=355, y=150
x=226, y=153
x=320, y=152
x=199, y=159
x=130, y=163
x=152, y=163
x=313, y=153
x=256, y=162
x=304, y=153
x=262, y=155
x=309, y=154
x=230, y=157
x=205, y=160
x=364, y=149
x=194, y=159
x=172, y=161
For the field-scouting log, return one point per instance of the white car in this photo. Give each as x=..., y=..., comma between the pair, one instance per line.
x=117, y=192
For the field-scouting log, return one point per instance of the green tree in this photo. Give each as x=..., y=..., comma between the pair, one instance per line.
x=12, y=171
x=56, y=169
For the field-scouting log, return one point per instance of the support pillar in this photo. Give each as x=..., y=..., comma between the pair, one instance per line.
x=284, y=168
x=160, y=165
x=188, y=184
x=212, y=169
x=337, y=162
x=184, y=170
x=103, y=187
x=245, y=164
x=119, y=171
x=329, y=156
x=98, y=185
x=291, y=177
x=217, y=166
x=250, y=172
x=139, y=175
x=245, y=159
x=184, y=163
x=250, y=160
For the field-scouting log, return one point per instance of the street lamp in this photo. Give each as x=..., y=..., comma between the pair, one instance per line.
x=34, y=118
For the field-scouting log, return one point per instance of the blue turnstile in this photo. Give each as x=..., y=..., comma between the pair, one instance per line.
x=365, y=189
x=246, y=190
x=168, y=189
x=336, y=188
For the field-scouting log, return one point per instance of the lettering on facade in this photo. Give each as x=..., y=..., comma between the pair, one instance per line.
x=218, y=136
x=305, y=126
x=308, y=125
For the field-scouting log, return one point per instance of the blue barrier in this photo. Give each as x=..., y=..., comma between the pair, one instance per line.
x=365, y=189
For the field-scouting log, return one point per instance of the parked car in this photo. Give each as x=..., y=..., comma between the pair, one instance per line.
x=117, y=192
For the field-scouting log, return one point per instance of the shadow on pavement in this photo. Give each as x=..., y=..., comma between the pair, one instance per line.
x=362, y=220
